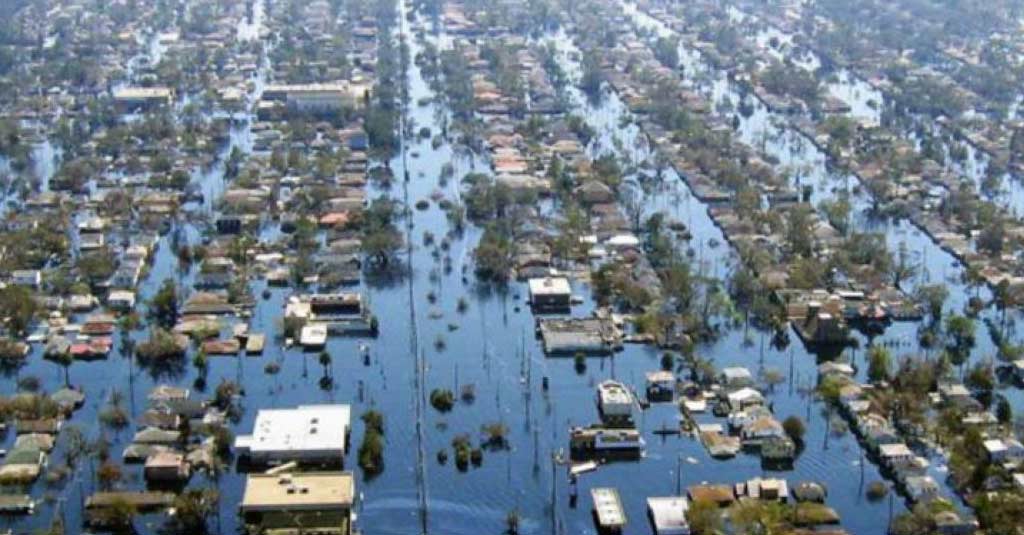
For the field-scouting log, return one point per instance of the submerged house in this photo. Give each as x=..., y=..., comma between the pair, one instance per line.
x=550, y=294
x=339, y=313
x=166, y=466
x=310, y=502
x=668, y=515
x=608, y=510
x=568, y=336
x=615, y=402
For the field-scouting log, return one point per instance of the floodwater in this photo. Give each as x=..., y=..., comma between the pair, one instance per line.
x=425, y=343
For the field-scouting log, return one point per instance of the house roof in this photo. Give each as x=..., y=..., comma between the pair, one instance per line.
x=550, y=286
x=669, y=514
x=894, y=450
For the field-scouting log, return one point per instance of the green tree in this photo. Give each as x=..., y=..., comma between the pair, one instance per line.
x=18, y=307
x=201, y=363
x=381, y=238
x=879, y=364
x=999, y=512
x=704, y=517
x=108, y=474
x=794, y=428
x=493, y=255
x=933, y=297
x=65, y=359
x=798, y=231
x=192, y=509
x=97, y=267
x=1004, y=411
x=903, y=267
x=325, y=360
x=960, y=335
x=163, y=308
x=119, y=515
x=593, y=76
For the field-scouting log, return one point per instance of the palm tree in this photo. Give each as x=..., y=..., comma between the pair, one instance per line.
x=325, y=361
x=65, y=360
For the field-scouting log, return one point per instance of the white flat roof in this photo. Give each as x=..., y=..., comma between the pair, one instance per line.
x=142, y=92
x=894, y=450
x=608, y=507
x=550, y=286
x=995, y=445
x=736, y=372
x=669, y=515
x=307, y=428
x=614, y=393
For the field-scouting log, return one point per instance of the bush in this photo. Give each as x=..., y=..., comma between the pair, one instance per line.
x=877, y=490
x=291, y=326
x=371, y=453
x=795, y=429
x=29, y=383
x=495, y=435
x=12, y=352
x=115, y=417
x=223, y=438
x=374, y=421
x=162, y=346
x=108, y=474
x=442, y=399
x=462, y=448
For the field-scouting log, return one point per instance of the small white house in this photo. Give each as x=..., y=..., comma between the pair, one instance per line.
x=736, y=377
x=745, y=397
x=1004, y=450
x=550, y=293
x=762, y=429
x=835, y=368
x=921, y=488
x=740, y=419
x=615, y=400
x=121, y=300
x=31, y=278
x=895, y=455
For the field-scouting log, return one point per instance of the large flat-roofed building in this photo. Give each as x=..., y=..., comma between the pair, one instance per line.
x=143, y=97
x=312, y=502
x=319, y=97
x=308, y=433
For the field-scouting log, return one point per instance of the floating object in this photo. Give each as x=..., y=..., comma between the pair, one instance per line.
x=582, y=468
